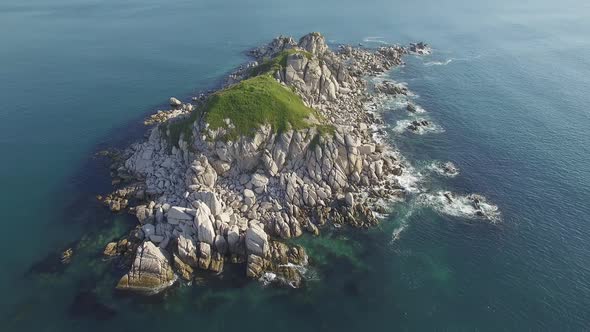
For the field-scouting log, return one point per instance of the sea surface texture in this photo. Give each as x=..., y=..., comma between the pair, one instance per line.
x=507, y=88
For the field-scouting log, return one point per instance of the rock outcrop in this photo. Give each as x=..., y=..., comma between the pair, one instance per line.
x=150, y=273
x=214, y=200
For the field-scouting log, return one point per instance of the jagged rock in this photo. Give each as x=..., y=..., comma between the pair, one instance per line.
x=210, y=199
x=150, y=273
x=177, y=214
x=187, y=250
x=111, y=249
x=233, y=239
x=366, y=149
x=204, y=223
x=143, y=214
x=184, y=270
x=255, y=266
x=204, y=252
x=221, y=244
x=314, y=43
x=175, y=102
x=349, y=198
x=216, y=262
x=259, y=180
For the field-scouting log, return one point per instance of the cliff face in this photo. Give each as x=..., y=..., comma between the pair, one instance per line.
x=217, y=196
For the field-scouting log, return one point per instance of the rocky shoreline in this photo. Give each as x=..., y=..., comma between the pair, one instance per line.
x=205, y=197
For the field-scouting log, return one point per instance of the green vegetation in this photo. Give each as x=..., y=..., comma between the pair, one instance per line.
x=277, y=63
x=182, y=127
x=254, y=102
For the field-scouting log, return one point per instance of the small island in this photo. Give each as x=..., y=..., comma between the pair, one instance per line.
x=287, y=145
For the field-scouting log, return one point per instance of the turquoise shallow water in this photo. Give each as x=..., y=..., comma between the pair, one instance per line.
x=78, y=76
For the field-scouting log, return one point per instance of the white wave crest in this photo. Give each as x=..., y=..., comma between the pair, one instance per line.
x=375, y=39
x=402, y=126
x=438, y=63
x=447, y=169
x=471, y=206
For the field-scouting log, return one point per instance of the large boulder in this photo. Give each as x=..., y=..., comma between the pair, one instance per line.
x=187, y=250
x=314, y=43
x=204, y=223
x=177, y=214
x=204, y=252
x=175, y=102
x=256, y=241
x=150, y=272
x=210, y=199
x=255, y=266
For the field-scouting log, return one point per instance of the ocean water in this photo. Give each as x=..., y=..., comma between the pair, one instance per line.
x=506, y=87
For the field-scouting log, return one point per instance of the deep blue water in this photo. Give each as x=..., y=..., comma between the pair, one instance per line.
x=78, y=76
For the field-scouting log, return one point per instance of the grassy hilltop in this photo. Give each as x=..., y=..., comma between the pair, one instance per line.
x=253, y=102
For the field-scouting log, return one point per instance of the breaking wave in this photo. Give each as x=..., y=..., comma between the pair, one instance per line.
x=403, y=126
x=376, y=39
x=471, y=206
x=447, y=169
x=438, y=63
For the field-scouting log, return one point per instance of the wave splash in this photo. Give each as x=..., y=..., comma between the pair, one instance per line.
x=447, y=169
x=472, y=206
x=418, y=127
x=438, y=63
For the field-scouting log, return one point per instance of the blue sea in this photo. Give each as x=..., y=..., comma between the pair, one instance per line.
x=507, y=87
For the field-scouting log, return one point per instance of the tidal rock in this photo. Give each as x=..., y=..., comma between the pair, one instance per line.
x=150, y=272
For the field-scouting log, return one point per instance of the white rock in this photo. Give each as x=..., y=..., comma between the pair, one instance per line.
x=259, y=180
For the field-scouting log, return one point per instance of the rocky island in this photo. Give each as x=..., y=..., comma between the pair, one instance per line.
x=288, y=145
